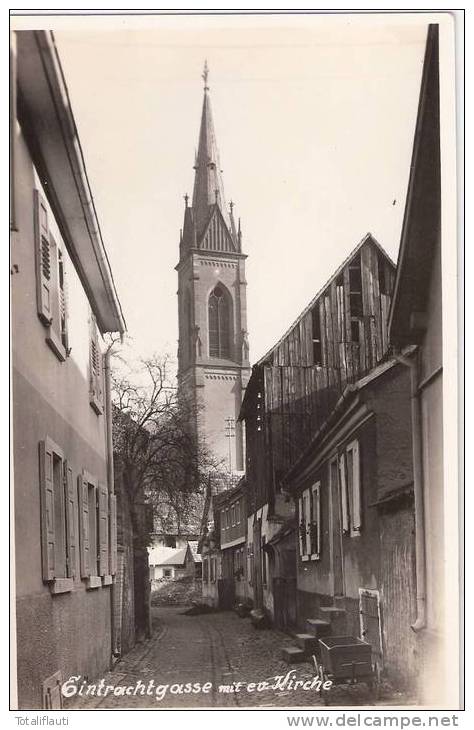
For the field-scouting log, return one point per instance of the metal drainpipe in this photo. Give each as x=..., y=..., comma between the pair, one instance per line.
x=111, y=485
x=420, y=552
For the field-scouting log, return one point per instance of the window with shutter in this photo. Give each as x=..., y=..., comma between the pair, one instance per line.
x=301, y=528
x=354, y=487
x=71, y=533
x=103, y=531
x=84, y=526
x=95, y=368
x=315, y=527
x=56, y=515
x=50, y=281
x=344, y=497
x=93, y=542
x=43, y=259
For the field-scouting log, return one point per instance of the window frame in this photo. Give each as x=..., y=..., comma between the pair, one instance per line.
x=220, y=336
x=309, y=503
x=351, y=490
x=96, y=371
x=51, y=297
x=52, y=496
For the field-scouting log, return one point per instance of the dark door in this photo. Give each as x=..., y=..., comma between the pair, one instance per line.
x=257, y=563
x=226, y=593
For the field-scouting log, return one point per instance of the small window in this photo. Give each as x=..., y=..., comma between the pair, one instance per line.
x=349, y=472
x=355, y=287
x=95, y=367
x=383, y=287
x=167, y=573
x=310, y=523
x=316, y=330
x=51, y=293
x=355, y=331
x=96, y=530
x=58, y=509
x=92, y=515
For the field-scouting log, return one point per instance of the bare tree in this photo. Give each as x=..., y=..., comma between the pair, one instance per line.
x=157, y=452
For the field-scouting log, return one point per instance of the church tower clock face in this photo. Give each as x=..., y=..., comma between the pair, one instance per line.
x=213, y=349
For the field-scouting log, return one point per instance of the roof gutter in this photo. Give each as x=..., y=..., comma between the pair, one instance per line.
x=58, y=156
x=46, y=41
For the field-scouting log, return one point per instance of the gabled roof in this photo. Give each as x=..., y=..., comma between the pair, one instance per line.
x=368, y=238
x=172, y=556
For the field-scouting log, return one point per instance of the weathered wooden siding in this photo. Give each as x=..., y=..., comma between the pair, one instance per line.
x=299, y=393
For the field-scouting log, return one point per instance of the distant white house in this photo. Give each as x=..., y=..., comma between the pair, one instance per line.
x=172, y=563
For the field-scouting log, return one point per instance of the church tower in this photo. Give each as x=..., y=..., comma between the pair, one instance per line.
x=213, y=350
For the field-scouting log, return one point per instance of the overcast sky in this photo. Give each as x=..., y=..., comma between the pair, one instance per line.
x=314, y=118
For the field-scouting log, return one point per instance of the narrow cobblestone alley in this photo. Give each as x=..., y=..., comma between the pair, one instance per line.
x=218, y=648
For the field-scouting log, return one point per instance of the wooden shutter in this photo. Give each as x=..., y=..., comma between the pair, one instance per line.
x=300, y=523
x=307, y=499
x=316, y=518
x=84, y=539
x=344, y=500
x=113, y=533
x=95, y=367
x=356, y=491
x=48, y=537
x=71, y=534
x=63, y=308
x=43, y=258
x=103, y=516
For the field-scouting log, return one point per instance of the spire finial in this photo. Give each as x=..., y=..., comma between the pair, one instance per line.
x=205, y=75
x=186, y=199
x=231, y=206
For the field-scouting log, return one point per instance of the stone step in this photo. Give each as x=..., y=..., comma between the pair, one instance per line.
x=331, y=610
x=293, y=654
x=318, y=627
x=337, y=618
x=307, y=642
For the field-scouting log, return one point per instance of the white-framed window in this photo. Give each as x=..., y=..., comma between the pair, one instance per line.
x=350, y=483
x=309, y=507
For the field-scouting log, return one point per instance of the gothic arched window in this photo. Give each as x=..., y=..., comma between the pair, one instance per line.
x=219, y=324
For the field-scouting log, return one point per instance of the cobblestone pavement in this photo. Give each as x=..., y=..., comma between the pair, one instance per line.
x=218, y=648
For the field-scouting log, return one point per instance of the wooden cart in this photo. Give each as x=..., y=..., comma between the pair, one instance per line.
x=347, y=660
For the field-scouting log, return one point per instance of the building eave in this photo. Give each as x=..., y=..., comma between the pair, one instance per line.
x=50, y=129
x=422, y=204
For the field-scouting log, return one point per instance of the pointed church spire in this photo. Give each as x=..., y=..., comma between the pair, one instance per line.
x=208, y=183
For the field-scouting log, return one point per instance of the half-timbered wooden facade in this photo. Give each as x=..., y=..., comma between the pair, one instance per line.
x=340, y=336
